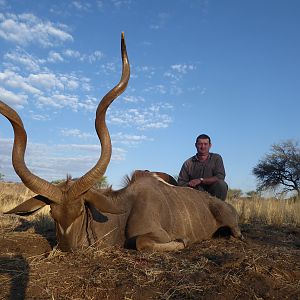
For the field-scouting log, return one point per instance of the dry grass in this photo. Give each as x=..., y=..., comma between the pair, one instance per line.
x=264, y=267
x=11, y=195
x=216, y=269
x=268, y=211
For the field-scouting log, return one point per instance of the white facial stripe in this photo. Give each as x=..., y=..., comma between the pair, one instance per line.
x=69, y=228
x=161, y=180
x=64, y=232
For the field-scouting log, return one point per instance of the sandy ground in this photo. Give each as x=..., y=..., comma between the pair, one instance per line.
x=266, y=266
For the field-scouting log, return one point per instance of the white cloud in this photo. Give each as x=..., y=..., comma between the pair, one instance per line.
x=25, y=74
x=176, y=72
x=118, y=154
x=152, y=117
x=38, y=117
x=90, y=58
x=128, y=139
x=52, y=81
x=15, y=100
x=67, y=100
x=59, y=101
x=157, y=89
x=27, y=29
x=90, y=103
x=19, y=56
x=78, y=147
x=117, y=4
x=108, y=68
x=198, y=88
x=70, y=82
x=155, y=27
x=76, y=133
x=81, y=6
x=72, y=53
x=14, y=80
x=146, y=71
x=48, y=89
x=121, y=3
x=6, y=151
x=133, y=99
x=96, y=55
x=55, y=57
x=183, y=68
x=174, y=77
x=45, y=81
x=53, y=162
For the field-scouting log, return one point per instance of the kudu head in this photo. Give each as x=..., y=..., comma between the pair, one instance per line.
x=67, y=200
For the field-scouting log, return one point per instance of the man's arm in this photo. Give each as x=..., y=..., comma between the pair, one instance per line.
x=209, y=180
x=183, y=178
x=218, y=173
x=219, y=170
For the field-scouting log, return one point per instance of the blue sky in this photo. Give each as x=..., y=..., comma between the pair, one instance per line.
x=230, y=69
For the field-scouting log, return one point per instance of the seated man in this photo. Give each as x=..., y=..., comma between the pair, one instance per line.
x=204, y=171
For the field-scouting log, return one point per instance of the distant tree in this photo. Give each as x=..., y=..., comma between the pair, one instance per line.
x=57, y=181
x=234, y=193
x=2, y=177
x=280, y=168
x=253, y=194
x=101, y=183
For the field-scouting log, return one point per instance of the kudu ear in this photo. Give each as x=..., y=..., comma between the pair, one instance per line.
x=102, y=203
x=30, y=206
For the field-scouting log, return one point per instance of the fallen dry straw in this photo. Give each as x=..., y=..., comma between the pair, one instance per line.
x=215, y=269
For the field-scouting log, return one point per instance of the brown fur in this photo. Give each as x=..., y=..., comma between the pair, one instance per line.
x=146, y=214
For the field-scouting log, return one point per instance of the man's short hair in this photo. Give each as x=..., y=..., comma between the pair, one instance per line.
x=203, y=136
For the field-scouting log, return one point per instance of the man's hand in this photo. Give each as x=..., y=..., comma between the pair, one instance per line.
x=195, y=182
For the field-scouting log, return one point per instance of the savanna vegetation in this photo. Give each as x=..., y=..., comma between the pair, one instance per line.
x=280, y=169
x=264, y=266
x=251, y=208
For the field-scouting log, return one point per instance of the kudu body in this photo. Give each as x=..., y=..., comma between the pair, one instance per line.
x=149, y=213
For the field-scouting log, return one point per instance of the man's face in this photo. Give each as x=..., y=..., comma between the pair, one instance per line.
x=203, y=146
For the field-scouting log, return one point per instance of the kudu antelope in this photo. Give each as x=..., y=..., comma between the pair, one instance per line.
x=148, y=213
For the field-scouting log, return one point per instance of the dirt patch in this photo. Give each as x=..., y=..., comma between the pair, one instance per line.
x=266, y=266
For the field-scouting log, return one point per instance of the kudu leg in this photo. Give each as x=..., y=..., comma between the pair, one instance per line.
x=153, y=242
